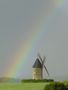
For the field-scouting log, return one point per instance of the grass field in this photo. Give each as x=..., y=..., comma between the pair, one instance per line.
x=22, y=86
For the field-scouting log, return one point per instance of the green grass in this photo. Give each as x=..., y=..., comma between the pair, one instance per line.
x=22, y=86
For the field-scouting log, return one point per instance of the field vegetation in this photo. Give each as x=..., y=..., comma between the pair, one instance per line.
x=22, y=86
x=35, y=85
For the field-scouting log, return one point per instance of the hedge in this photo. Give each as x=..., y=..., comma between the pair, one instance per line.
x=36, y=81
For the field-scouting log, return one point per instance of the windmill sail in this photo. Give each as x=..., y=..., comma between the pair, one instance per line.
x=40, y=58
x=42, y=61
x=46, y=70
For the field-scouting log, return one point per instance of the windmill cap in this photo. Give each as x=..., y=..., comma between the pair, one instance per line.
x=37, y=64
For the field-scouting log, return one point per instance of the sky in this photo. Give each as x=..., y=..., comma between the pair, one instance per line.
x=19, y=20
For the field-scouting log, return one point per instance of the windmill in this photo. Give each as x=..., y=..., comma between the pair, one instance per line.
x=38, y=67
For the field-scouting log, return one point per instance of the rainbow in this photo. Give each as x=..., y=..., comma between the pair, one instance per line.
x=26, y=47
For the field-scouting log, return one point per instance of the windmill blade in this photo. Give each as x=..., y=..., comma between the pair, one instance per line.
x=46, y=70
x=43, y=60
x=40, y=57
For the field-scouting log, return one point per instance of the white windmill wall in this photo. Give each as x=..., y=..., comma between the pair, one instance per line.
x=37, y=73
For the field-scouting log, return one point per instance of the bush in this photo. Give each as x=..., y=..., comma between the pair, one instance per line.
x=66, y=83
x=36, y=81
x=55, y=86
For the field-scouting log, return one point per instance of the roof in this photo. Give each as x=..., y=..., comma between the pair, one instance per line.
x=37, y=64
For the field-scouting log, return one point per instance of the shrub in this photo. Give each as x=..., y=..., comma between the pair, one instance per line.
x=55, y=86
x=66, y=83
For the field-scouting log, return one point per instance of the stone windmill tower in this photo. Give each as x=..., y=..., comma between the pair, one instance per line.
x=38, y=68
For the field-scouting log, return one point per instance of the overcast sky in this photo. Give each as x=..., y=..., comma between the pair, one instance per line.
x=16, y=19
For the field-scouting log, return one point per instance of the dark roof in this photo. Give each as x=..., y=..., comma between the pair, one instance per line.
x=37, y=64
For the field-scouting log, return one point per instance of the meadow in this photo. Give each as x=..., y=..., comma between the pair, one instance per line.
x=33, y=86
x=22, y=86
